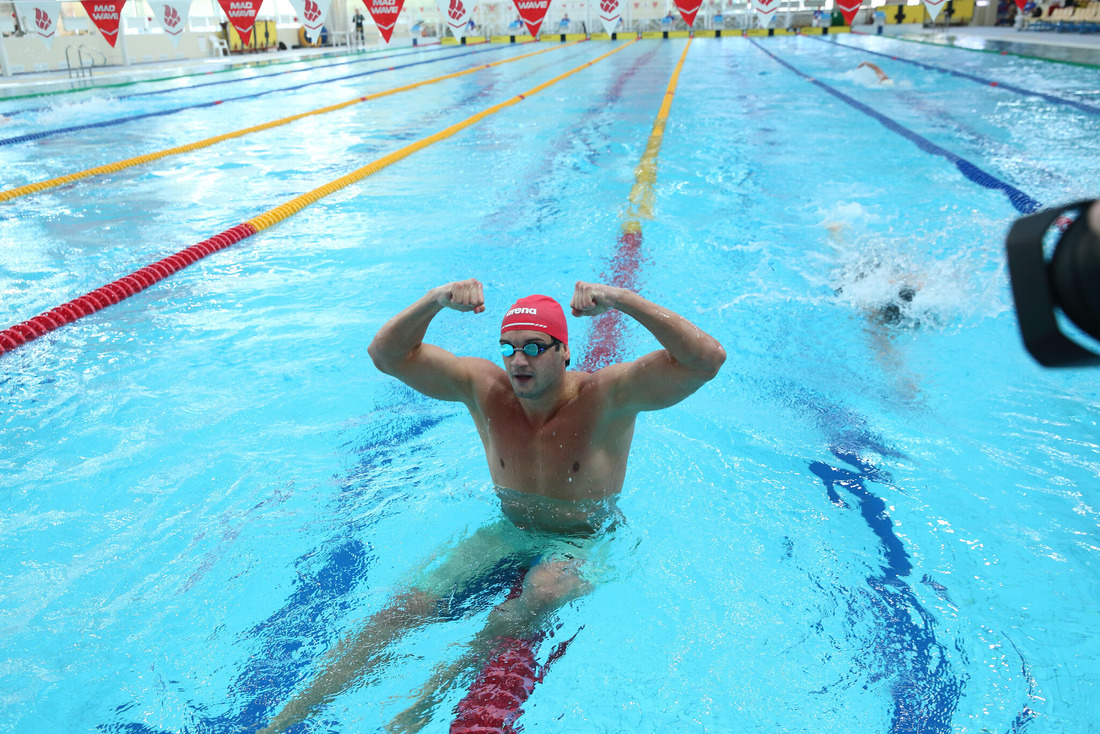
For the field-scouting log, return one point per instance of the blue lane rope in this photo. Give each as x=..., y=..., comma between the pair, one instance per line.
x=1021, y=201
x=258, y=77
x=1083, y=107
x=123, y=120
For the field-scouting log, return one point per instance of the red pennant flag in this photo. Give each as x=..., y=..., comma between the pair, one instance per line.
x=242, y=15
x=533, y=12
x=384, y=13
x=688, y=10
x=105, y=15
x=848, y=8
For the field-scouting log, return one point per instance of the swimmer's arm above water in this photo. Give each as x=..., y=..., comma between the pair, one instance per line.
x=690, y=357
x=398, y=349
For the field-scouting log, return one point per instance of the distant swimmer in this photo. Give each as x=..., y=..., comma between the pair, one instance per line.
x=556, y=442
x=882, y=77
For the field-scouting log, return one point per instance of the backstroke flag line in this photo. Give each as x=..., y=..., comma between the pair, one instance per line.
x=312, y=14
x=765, y=10
x=935, y=6
x=533, y=12
x=40, y=17
x=456, y=14
x=172, y=16
x=688, y=10
x=105, y=15
x=242, y=16
x=610, y=11
x=384, y=13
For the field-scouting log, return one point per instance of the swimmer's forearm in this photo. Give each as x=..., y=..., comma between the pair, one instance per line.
x=685, y=342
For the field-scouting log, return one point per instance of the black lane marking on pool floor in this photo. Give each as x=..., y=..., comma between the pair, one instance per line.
x=1022, y=202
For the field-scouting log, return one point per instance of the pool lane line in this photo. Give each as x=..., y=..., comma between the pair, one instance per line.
x=40, y=186
x=604, y=340
x=987, y=50
x=29, y=137
x=139, y=280
x=258, y=77
x=230, y=66
x=1081, y=106
x=1021, y=201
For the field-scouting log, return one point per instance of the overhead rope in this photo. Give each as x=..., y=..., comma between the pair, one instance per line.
x=138, y=281
x=33, y=188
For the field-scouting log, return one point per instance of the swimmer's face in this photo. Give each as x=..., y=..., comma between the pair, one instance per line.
x=533, y=376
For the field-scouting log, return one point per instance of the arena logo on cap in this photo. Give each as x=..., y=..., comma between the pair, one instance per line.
x=523, y=309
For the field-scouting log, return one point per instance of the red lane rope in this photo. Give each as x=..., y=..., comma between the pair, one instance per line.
x=120, y=289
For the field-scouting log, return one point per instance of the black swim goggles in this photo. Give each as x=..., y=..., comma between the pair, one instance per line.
x=531, y=349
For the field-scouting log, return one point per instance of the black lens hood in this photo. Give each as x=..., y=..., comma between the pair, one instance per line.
x=1070, y=285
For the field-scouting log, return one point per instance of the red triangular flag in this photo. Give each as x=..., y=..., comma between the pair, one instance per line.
x=242, y=15
x=384, y=13
x=533, y=12
x=688, y=10
x=848, y=8
x=105, y=15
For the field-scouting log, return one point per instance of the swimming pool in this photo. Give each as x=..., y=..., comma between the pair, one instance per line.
x=855, y=527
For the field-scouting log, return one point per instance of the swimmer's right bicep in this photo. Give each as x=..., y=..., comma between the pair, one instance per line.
x=435, y=372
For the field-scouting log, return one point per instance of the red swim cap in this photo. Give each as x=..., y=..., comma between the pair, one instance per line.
x=537, y=313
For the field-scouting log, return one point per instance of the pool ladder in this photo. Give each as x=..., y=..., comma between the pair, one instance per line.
x=85, y=61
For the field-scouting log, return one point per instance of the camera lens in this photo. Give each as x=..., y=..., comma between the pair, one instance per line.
x=1075, y=276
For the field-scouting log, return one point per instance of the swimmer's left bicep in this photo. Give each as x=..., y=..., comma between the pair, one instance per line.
x=653, y=382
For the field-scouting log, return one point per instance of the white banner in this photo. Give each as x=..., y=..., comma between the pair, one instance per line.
x=312, y=14
x=39, y=17
x=172, y=16
x=610, y=11
x=456, y=14
x=765, y=10
x=934, y=7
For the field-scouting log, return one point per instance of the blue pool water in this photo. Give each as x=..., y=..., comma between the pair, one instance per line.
x=854, y=527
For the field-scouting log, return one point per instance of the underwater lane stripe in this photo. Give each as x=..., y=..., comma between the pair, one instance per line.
x=295, y=205
x=33, y=188
x=604, y=342
x=162, y=113
x=257, y=78
x=987, y=51
x=127, y=286
x=1021, y=201
x=1083, y=107
x=232, y=66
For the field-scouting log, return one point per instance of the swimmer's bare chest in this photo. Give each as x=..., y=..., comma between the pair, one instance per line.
x=580, y=454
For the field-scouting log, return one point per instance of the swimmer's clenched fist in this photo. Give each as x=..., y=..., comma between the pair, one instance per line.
x=592, y=299
x=462, y=295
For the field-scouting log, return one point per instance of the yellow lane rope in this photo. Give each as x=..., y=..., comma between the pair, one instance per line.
x=642, y=194
x=280, y=213
x=189, y=147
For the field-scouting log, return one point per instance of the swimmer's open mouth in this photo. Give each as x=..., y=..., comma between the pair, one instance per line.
x=522, y=378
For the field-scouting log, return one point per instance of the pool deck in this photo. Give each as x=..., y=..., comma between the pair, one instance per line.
x=1073, y=47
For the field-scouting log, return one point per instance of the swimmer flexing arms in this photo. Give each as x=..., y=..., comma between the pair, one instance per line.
x=556, y=441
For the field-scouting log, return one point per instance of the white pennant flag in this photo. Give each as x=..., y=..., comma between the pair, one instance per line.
x=40, y=17
x=609, y=11
x=933, y=7
x=312, y=14
x=172, y=16
x=765, y=9
x=456, y=14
